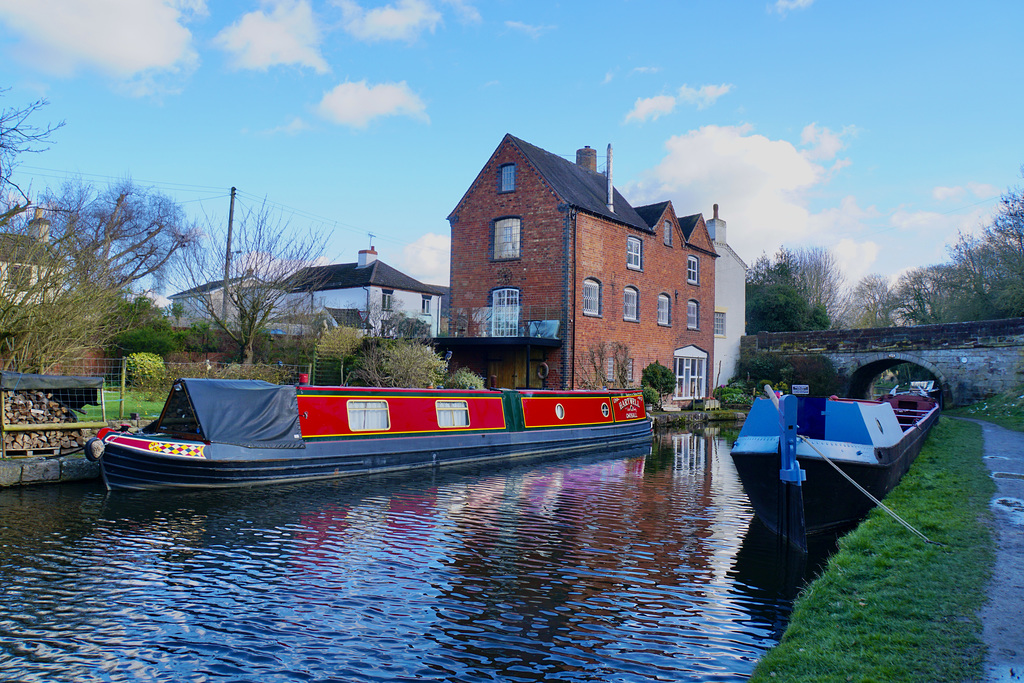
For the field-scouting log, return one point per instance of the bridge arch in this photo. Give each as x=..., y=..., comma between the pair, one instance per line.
x=864, y=372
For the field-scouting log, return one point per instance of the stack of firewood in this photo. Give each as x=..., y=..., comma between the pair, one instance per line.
x=38, y=407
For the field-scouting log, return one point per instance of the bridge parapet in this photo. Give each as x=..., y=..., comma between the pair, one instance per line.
x=971, y=360
x=965, y=335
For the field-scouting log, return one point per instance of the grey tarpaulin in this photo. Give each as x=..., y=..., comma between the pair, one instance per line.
x=244, y=412
x=74, y=392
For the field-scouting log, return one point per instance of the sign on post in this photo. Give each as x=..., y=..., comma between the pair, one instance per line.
x=801, y=389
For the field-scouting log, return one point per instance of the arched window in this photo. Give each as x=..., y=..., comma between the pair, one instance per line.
x=664, y=309
x=630, y=304
x=591, y=297
x=505, y=313
x=668, y=233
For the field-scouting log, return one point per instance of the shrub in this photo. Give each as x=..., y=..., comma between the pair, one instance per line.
x=651, y=396
x=464, y=378
x=146, y=372
x=660, y=379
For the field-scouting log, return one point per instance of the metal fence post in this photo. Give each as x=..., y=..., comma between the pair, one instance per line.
x=124, y=374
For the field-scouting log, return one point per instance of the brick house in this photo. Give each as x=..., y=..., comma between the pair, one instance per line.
x=557, y=281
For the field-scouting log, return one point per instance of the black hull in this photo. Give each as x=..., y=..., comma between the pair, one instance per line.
x=133, y=469
x=831, y=503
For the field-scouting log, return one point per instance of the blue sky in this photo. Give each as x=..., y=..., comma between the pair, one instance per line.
x=877, y=129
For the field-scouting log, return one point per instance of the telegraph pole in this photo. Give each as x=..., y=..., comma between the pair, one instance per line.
x=227, y=262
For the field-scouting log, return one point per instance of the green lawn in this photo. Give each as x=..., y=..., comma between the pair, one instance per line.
x=134, y=402
x=889, y=606
x=1005, y=410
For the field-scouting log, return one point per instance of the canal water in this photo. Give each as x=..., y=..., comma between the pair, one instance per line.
x=619, y=567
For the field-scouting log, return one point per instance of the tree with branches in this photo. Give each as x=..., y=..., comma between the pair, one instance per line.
x=260, y=276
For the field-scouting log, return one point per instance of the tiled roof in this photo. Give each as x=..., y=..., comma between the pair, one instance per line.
x=349, y=275
x=586, y=190
x=652, y=212
x=687, y=224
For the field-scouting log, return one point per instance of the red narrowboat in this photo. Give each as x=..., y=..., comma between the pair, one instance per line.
x=223, y=433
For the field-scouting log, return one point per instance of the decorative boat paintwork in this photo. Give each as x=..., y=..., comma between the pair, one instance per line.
x=224, y=433
x=874, y=442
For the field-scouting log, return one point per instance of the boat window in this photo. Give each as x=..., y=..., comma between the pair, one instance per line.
x=452, y=413
x=364, y=416
x=178, y=416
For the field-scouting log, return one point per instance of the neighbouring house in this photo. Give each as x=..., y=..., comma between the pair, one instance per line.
x=372, y=295
x=24, y=260
x=730, y=303
x=557, y=281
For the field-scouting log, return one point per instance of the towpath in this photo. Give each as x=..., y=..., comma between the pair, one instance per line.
x=1001, y=617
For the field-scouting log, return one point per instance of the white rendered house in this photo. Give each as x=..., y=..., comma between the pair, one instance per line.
x=730, y=304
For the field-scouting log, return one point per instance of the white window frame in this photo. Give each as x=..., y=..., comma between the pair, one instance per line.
x=668, y=233
x=664, y=309
x=507, y=178
x=691, y=372
x=452, y=414
x=609, y=372
x=692, y=315
x=591, y=297
x=505, y=312
x=692, y=270
x=425, y=306
x=631, y=312
x=508, y=233
x=634, y=253
x=719, y=323
x=387, y=299
x=368, y=416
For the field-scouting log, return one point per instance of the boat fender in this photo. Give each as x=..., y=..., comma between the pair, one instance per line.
x=542, y=371
x=94, y=449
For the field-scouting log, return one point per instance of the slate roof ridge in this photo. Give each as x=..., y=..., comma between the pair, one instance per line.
x=579, y=187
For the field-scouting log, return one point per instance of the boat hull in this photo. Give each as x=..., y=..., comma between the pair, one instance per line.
x=498, y=426
x=831, y=502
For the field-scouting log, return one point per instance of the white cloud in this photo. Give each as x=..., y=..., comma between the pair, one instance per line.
x=428, y=259
x=293, y=127
x=645, y=70
x=705, y=95
x=857, y=258
x=125, y=39
x=356, y=104
x=760, y=185
x=286, y=34
x=465, y=11
x=978, y=190
x=823, y=144
x=405, y=20
x=783, y=6
x=531, y=30
x=650, y=108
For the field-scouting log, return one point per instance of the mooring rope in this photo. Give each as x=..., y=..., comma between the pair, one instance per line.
x=866, y=492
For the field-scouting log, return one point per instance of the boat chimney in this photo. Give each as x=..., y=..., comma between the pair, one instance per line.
x=611, y=190
x=587, y=158
x=366, y=257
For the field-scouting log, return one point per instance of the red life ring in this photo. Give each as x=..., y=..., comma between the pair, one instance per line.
x=542, y=371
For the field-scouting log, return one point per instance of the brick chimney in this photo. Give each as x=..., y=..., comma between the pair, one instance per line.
x=587, y=158
x=366, y=257
x=39, y=227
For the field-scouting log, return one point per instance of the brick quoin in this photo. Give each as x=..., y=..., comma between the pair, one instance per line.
x=560, y=247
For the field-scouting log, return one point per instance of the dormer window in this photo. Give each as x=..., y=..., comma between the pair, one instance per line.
x=507, y=178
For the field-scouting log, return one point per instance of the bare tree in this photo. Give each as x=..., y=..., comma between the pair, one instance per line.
x=873, y=302
x=261, y=275
x=18, y=136
x=48, y=313
x=123, y=234
x=926, y=296
x=821, y=280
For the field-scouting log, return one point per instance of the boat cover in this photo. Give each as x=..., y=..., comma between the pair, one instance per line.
x=74, y=392
x=246, y=412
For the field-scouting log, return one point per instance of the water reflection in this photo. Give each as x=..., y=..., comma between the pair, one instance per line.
x=633, y=566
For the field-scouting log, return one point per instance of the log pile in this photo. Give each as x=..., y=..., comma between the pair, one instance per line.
x=39, y=407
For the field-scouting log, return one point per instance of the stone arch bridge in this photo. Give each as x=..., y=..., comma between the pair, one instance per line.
x=972, y=361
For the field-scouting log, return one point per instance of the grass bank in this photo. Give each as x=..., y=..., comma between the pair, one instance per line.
x=1005, y=410
x=890, y=607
